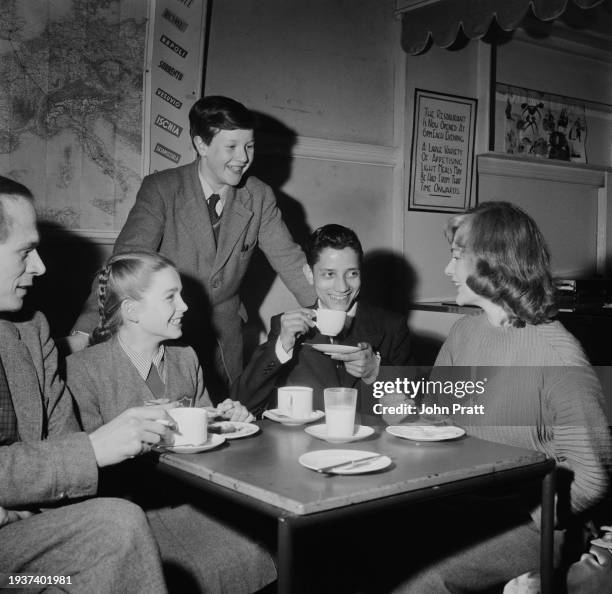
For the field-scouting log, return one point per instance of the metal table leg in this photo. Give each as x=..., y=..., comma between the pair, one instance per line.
x=285, y=557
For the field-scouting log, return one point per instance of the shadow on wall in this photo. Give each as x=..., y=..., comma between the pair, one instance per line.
x=389, y=281
x=72, y=262
x=274, y=143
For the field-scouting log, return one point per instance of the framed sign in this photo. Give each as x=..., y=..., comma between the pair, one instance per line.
x=442, y=156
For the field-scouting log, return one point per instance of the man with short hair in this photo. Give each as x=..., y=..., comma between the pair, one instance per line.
x=208, y=217
x=334, y=256
x=100, y=545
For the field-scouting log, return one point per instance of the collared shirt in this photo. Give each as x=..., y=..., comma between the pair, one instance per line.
x=142, y=364
x=208, y=192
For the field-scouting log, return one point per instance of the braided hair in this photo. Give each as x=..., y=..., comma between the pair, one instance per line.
x=125, y=276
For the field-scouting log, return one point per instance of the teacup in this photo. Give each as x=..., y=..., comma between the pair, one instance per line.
x=330, y=321
x=191, y=426
x=295, y=401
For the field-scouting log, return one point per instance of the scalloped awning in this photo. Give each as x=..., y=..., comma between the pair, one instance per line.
x=441, y=19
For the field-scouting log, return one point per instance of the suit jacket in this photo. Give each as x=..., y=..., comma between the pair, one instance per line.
x=53, y=461
x=387, y=332
x=105, y=382
x=170, y=216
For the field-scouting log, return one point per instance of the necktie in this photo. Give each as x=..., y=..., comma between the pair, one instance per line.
x=155, y=383
x=212, y=208
x=8, y=419
x=212, y=212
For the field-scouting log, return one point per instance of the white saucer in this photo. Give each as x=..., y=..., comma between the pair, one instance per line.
x=273, y=415
x=334, y=349
x=320, y=432
x=426, y=432
x=322, y=458
x=212, y=442
x=237, y=429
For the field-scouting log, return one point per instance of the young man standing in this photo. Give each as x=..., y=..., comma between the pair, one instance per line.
x=208, y=217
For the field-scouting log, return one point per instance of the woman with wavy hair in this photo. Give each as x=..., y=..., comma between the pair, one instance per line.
x=540, y=393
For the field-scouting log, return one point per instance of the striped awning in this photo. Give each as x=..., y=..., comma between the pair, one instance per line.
x=441, y=20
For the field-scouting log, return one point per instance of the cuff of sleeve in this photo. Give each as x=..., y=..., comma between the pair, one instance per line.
x=76, y=464
x=369, y=379
x=282, y=355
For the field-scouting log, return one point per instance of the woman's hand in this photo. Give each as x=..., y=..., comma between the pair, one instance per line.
x=232, y=410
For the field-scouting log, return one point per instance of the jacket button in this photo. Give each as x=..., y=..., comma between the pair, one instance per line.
x=215, y=284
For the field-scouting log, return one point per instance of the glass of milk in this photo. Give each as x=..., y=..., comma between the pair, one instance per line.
x=340, y=404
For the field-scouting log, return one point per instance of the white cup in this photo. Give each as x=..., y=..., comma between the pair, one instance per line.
x=295, y=401
x=191, y=426
x=340, y=404
x=330, y=321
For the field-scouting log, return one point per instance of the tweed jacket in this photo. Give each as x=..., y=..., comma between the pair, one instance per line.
x=387, y=332
x=105, y=382
x=170, y=216
x=53, y=461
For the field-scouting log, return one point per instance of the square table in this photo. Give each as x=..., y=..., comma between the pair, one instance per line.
x=263, y=473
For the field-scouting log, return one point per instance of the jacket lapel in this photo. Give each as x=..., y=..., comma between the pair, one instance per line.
x=129, y=378
x=234, y=221
x=194, y=214
x=23, y=383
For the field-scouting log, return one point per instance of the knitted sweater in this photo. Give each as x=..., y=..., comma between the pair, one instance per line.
x=540, y=393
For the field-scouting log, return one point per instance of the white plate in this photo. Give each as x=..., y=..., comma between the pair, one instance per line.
x=212, y=442
x=323, y=458
x=334, y=349
x=426, y=432
x=240, y=429
x=320, y=432
x=273, y=415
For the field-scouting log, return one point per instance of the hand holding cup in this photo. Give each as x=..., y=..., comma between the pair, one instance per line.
x=294, y=324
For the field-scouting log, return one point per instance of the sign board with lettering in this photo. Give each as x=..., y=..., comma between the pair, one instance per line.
x=442, y=157
x=175, y=64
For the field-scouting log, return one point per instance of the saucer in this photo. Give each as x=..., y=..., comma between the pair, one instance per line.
x=324, y=458
x=334, y=349
x=273, y=415
x=233, y=429
x=426, y=432
x=212, y=442
x=320, y=432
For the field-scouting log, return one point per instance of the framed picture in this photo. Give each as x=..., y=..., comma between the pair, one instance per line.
x=540, y=125
x=442, y=156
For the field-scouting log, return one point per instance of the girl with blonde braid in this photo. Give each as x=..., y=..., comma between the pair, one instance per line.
x=134, y=359
x=141, y=310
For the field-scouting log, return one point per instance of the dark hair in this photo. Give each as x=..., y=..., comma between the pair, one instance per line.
x=332, y=236
x=125, y=276
x=511, y=260
x=12, y=190
x=210, y=114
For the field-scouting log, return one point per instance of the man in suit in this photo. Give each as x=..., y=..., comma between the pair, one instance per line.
x=208, y=218
x=100, y=545
x=334, y=256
